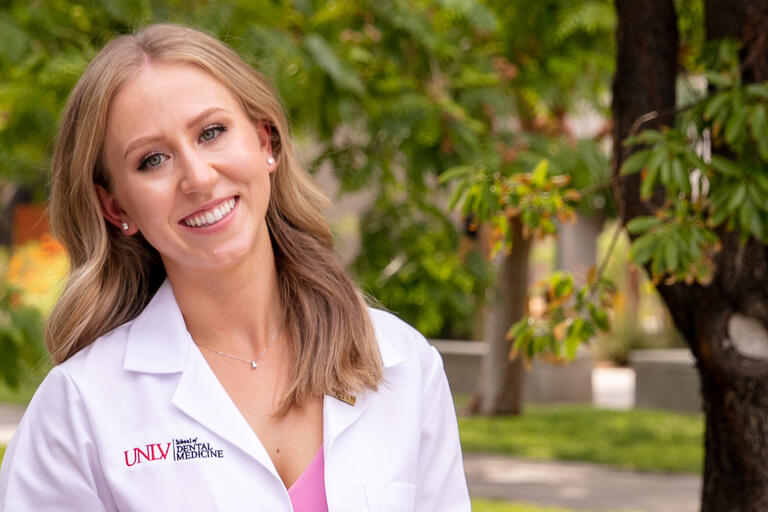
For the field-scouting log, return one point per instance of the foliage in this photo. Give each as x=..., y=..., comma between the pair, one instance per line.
x=21, y=337
x=414, y=264
x=637, y=439
x=382, y=90
x=568, y=319
x=731, y=192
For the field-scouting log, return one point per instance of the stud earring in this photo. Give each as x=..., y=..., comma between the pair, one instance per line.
x=125, y=226
x=271, y=161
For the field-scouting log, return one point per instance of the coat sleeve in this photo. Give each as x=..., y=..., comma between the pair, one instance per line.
x=441, y=484
x=51, y=464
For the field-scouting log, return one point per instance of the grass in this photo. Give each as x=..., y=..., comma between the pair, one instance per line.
x=503, y=506
x=637, y=439
x=2, y=452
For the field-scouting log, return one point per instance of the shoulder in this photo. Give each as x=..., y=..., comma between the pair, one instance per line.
x=103, y=357
x=400, y=342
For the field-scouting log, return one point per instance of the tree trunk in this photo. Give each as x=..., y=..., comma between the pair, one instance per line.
x=500, y=386
x=726, y=322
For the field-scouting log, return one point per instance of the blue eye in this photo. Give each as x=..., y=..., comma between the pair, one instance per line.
x=211, y=132
x=152, y=160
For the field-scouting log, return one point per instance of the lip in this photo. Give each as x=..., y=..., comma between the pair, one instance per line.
x=208, y=206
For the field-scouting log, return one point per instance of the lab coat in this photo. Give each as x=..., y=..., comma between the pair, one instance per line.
x=137, y=421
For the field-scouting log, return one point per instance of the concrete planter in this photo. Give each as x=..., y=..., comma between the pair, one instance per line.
x=666, y=379
x=543, y=383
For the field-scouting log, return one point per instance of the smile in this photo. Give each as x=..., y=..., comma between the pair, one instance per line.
x=211, y=216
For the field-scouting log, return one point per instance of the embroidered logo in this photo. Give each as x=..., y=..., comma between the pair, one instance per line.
x=178, y=449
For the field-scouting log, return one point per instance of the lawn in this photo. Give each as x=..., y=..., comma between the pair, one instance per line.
x=637, y=439
x=502, y=506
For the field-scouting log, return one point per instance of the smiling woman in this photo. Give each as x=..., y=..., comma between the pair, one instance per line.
x=208, y=338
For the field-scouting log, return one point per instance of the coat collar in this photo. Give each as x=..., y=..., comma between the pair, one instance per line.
x=158, y=340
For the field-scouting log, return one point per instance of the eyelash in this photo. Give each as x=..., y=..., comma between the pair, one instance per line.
x=219, y=128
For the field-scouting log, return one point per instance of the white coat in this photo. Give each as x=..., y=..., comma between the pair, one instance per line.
x=137, y=421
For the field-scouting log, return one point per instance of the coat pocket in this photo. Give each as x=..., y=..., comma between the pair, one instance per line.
x=389, y=496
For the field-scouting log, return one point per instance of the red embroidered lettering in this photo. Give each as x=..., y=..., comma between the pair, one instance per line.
x=129, y=464
x=164, y=453
x=138, y=453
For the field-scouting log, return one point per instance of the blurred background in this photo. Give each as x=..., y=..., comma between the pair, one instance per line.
x=388, y=100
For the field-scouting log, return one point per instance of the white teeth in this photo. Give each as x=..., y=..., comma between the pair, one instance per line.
x=211, y=216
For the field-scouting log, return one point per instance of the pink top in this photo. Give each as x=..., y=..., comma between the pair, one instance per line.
x=308, y=492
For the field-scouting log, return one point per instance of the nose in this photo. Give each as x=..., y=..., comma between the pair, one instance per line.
x=197, y=173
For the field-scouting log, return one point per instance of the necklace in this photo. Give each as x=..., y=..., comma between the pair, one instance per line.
x=253, y=363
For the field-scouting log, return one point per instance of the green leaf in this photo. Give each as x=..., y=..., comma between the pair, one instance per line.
x=649, y=182
x=599, y=317
x=460, y=171
x=737, y=197
x=635, y=162
x=681, y=178
x=715, y=104
x=642, y=224
x=539, y=175
x=666, y=173
x=758, y=90
x=762, y=181
x=649, y=137
x=458, y=193
x=719, y=80
x=758, y=122
x=642, y=249
x=325, y=57
x=736, y=124
x=727, y=166
x=671, y=255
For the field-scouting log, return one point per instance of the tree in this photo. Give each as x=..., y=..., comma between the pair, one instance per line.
x=554, y=60
x=699, y=223
x=724, y=316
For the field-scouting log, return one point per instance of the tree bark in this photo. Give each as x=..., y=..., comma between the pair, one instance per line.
x=500, y=386
x=726, y=322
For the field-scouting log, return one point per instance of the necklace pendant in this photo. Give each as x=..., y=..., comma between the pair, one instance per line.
x=254, y=364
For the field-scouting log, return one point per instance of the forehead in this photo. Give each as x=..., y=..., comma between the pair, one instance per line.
x=162, y=93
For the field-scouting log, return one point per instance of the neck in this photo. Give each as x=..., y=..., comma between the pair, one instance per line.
x=237, y=309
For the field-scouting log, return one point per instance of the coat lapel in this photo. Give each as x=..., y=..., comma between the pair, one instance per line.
x=158, y=342
x=338, y=413
x=201, y=396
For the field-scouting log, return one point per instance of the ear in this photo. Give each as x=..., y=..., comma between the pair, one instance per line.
x=113, y=213
x=264, y=131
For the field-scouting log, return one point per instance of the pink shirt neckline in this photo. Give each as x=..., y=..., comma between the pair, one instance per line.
x=307, y=493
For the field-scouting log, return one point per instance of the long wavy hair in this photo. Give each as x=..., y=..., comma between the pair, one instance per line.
x=112, y=277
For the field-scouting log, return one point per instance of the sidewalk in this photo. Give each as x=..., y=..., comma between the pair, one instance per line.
x=579, y=486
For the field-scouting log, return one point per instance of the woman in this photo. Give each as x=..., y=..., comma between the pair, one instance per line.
x=211, y=352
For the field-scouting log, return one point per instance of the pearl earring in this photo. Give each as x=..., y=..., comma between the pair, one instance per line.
x=270, y=161
x=125, y=226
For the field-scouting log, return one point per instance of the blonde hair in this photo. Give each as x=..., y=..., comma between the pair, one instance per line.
x=112, y=276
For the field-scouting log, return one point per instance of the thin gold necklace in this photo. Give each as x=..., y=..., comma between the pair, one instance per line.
x=253, y=363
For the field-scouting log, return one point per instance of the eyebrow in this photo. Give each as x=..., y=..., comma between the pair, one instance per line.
x=151, y=138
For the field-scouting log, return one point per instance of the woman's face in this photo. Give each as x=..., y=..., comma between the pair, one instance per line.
x=189, y=168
